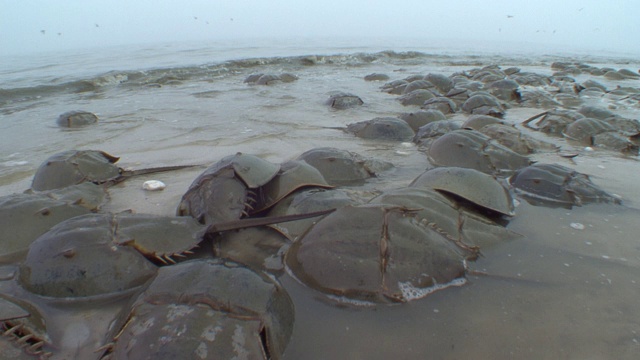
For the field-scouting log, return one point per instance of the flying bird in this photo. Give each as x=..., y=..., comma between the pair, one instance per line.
x=42, y=32
x=509, y=16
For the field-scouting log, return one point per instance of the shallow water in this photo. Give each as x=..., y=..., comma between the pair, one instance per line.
x=555, y=292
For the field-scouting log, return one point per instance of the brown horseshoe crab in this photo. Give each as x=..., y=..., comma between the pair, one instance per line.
x=210, y=309
x=474, y=150
x=101, y=253
x=73, y=167
x=382, y=128
x=342, y=100
x=557, y=186
x=469, y=184
x=461, y=224
x=24, y=217
x=224, y=191
x=376, y=254
x=342, y=167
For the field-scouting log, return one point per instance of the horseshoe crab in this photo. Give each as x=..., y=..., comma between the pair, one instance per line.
x=553, y=121
x=557, y=186
x=416, y=97
x=515, y=140
x=472, y=149
x=442, y=83
x=76, y=118
x=342, y=167
x=269, y=79
x=442, y=104
x=505, y=90
x=477, y=122
x=304, y=201
x=97, y=254
x=208, y=308
x=422, y=117
x=260, y=248
x=483, y=104
x=342, y=100
x=382, y=128
x=462, y=225
x=471, y=185
x=293, y=175
x=24, y=217
x=24, y=328
x=592, y=132
x=73, y=167
x=428, y=133
x=395, y=87
x=376, y=254
x=376, y=77
x=223, y=192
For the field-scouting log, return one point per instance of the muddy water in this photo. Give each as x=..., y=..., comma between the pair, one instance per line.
x=557, y=291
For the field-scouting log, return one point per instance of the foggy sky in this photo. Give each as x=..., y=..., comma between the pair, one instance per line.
x=28, y=26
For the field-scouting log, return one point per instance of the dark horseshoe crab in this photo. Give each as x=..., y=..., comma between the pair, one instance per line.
x=464, y=225
x=305, y=201
x=24, y=217
x=376, y=254
x=472, y=149
x=482, y=104
x=76, y=118
x=383, y=128
x=226, y=190
x=102, y=253
x=481, y=189
x=210, y=309
x=342, y=167
x=293, y=175
x=557, y=186
x=342, y=100
x=74, y=167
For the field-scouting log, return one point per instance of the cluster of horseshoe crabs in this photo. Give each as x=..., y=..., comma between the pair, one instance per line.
x=78, y=282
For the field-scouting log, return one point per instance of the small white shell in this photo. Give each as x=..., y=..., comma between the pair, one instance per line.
x=577, y=226
x=154, y=185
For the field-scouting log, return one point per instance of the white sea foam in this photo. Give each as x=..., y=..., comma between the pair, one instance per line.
x=410, y=292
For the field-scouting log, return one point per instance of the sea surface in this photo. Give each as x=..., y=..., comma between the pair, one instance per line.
x=559, y=291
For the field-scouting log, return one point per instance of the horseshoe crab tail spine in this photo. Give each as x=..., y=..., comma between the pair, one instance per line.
x=251, y=222
x=526, y=122
x=130, y=173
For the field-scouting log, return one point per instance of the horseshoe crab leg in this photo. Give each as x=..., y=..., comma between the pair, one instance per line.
x=251, y=222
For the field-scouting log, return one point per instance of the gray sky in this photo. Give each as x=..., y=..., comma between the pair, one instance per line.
x=28, y=26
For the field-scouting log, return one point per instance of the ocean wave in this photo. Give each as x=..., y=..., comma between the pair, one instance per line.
x=205, y=72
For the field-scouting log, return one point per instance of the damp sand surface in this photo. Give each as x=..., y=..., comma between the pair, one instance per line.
x=566, y=288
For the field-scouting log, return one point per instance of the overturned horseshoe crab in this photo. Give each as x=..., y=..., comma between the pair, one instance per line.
x=376, y=254
x=210, y=309
x=73, y=167
x=557, y=186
